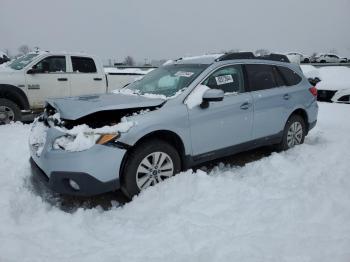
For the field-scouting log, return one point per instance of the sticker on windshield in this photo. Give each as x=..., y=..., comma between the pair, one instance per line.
x=225, y=79
x=184, y=74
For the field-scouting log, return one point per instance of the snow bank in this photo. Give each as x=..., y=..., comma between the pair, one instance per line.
x=333, y=77
x=290, y=206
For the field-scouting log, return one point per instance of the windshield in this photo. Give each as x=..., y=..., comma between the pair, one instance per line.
x=22, y=61
x=167, y=80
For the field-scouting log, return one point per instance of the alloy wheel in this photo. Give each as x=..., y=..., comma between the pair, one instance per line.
x=295, y=134
x=153, y=169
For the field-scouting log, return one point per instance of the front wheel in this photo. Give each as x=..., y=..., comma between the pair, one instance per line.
x=293, y=134
x=148, y=164
x=9, y=112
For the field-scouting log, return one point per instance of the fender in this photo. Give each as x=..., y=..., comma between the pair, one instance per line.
x=14, y=94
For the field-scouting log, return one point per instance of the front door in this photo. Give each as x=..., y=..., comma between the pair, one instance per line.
x=50, y=80
x=226, y=123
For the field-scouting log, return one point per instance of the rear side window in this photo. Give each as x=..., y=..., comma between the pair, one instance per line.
x=229, y=79
x=261, y=77
x=290, y=77
x=83, y=65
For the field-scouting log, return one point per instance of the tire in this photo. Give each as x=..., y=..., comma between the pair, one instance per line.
x=140, y=171
x=306, y=60
x=9, y=111
x=323, y=61
x=291, y=129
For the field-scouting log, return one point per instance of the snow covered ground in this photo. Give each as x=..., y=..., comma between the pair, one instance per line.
x=289, y=206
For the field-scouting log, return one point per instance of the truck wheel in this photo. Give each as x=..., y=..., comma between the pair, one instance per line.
x=293, y=134
x=9, y=111
x=148, y=164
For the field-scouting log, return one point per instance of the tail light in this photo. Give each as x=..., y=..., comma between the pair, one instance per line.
x=313, y=91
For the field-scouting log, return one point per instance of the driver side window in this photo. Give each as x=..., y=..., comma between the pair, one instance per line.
x=52, y=64
x=230, y=79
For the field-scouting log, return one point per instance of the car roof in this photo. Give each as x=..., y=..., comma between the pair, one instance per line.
x=239, y=57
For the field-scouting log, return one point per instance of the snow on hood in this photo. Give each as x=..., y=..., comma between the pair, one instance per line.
x=73, y=108
x=83, y=137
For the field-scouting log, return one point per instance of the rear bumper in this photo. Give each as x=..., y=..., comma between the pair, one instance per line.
x=312, y=125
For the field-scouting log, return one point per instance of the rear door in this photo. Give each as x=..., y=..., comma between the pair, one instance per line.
x=270, y=98
x=85, y=77
x=51, y=80
x=225, y=123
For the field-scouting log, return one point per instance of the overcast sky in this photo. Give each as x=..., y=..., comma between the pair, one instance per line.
x=156, y=29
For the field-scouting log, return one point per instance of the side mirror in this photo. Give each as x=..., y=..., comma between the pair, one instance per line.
x=33, y=70
x=212, y=95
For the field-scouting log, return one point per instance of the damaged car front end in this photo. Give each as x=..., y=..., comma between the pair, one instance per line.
x=76, y=151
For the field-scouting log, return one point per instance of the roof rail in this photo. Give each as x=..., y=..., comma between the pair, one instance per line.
x=237, y=55
x=250, y=55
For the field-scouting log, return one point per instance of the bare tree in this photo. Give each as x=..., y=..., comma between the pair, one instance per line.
x=333, y=51
x=129, y=61
x=262, y=52
x=24, y=49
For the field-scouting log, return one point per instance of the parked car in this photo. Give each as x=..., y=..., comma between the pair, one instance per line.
x=302, y=58
x=178, y=116
x=328, y=58
x=28, y=81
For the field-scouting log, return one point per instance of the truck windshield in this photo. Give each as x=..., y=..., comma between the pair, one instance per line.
x=167, y=80
x=22, y=61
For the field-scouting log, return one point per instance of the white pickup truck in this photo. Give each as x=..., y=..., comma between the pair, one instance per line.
x=28, y=81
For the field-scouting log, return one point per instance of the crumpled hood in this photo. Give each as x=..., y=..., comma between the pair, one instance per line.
x=73, y=108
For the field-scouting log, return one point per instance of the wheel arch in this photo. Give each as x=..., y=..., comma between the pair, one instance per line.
x=14, y=94
x=166, y=135
x=301, y=112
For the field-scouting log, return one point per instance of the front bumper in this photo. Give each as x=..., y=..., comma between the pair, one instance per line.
x=95, y=170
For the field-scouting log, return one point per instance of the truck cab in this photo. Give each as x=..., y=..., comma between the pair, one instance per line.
x=28, y=81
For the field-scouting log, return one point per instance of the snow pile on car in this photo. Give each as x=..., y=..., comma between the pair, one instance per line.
x=289, y=206
x=37, y=137
x=332, y=77
x=196, y=97
x=82, y=137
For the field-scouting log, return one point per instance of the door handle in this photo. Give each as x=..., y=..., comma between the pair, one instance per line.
x=97, y=79
x=245, y=105
x=62, y=79
x=286, y=96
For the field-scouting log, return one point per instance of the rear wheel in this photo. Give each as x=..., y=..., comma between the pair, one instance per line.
x=9, y=112
x=148, y=164
x=294, y=133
